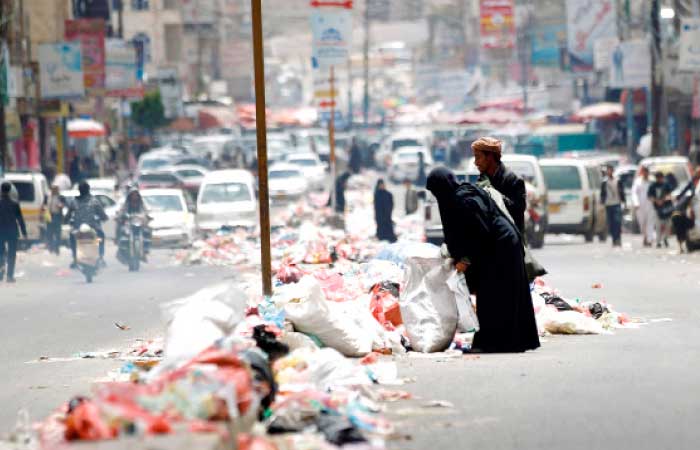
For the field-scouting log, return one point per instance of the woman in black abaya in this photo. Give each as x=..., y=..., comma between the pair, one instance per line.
x=487, y=247
x=383, y=208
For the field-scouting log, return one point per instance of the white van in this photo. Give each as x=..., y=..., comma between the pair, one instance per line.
x=573, y=187
x=31, y=190
x=226, y=199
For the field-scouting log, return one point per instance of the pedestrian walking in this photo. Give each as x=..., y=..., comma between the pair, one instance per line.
x=660, y=195
x=683, y=218
x=383, y=209
x=410, y=198
x=355, y=157
x=643, y=206
x=421, y=178
x=486, y=246
x=341, y=184
x=487, y=158
x=612, y=195
x=11, y=224
x=53, y=211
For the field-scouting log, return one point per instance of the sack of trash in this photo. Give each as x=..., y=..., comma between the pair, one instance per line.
x=346, y=326
x=427, y=303
x=468, y=321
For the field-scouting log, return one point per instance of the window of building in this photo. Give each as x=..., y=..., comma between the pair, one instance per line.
x=173, y=43
x=142, y=42
x=171, y=4
x=139, y=5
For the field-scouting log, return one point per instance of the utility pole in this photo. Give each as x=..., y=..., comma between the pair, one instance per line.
x=657, y=79
x=261, y=131
x=524, y=51
x=365, y=96
x=5, y=18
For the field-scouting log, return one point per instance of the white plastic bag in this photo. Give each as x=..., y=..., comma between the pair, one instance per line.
x=196, y=322
x=569, y=322
x=468, y=322
x=427, y=303
x=338, y=325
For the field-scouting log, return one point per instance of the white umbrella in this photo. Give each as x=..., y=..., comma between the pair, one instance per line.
x=84, y=128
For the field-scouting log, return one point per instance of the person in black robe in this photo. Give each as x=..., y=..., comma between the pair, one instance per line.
x=487, y=247
x=383, y=208
x=340, y=184
x=420, y=180
x=355, y=157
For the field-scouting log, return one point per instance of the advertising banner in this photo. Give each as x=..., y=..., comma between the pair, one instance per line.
x=121, y=79
x=331, y=28
x=547, y=42
x=630, y=65
x=497, y=24
x=61, y=70
x=602, y=52
x=170, y=92
x=689, y=54
x=91, y=34
x=588, y=21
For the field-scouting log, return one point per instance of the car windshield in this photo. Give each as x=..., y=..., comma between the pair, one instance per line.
x=304, y=162
x=158, y=178
x=408, y=156
x=225, y=193
x=279, y=174
x=189, y=173
x=163, y=203
x=150, y=164
x=525, y=170
x=25, y=191
x=562, y=178
x=398, y=143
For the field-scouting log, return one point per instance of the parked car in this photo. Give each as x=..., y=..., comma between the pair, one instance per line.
x=287, y=183
x=627, y=173
x=31, y=191
x=405, y=163
x=226, y=199
x=311, y=166
x=403, y=138
x=574, y=197
x=162, y=179
x=159, y=158
x=192, y=177
x=172, y=223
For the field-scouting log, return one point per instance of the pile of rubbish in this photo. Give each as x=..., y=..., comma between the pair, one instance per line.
x=300, y=369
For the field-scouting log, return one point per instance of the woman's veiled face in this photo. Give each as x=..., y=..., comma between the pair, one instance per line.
x=442, y=183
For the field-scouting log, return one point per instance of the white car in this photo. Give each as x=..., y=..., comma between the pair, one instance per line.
x=397, y=141
x=312, y=168
x=226, y=199
x=405, y=163
x=158, y=158
x=573, y=187
x=107, y=186
x=287, y=182
x=172, y=223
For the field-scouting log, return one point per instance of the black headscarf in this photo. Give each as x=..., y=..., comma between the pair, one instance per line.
x=443, y=185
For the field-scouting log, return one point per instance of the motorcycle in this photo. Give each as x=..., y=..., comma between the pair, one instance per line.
x=131, y=241
x=88, y=251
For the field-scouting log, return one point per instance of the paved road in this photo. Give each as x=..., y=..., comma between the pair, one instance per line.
x=638, y=389
x=49, y=313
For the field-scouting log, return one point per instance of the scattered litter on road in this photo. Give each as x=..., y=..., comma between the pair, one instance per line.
x=121, y=326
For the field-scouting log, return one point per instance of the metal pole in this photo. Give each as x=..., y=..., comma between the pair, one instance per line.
x=4, y=27
x=331, y=138
x=365, y=97
x=261, y=131
x=656, y=79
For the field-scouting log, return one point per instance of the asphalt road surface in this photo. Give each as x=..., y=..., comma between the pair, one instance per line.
x=636, y=389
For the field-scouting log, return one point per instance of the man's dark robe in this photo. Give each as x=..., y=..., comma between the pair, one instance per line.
x=512, y=187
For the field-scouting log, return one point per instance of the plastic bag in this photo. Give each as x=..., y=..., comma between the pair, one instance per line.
x=196, y=322
x=427, y=303
x=569, y=322
x=337, y=325
x=468, y=321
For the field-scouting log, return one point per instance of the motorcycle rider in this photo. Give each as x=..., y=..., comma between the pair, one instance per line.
x=86, y=209
x=134, y=205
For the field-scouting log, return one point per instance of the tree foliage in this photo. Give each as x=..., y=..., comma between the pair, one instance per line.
x=149, y=113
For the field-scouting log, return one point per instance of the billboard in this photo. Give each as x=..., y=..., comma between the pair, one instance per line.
x=689, y=55
x=61, y=70
x=170, y=87
x=331, y=29
x=587, y=22
x=630, y=64
x=497, y=24
x=547, y=41
x=121, y=70
x=91, y=34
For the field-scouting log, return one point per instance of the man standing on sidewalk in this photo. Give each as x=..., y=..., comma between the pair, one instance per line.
x=612, y=194
x=11, y=222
